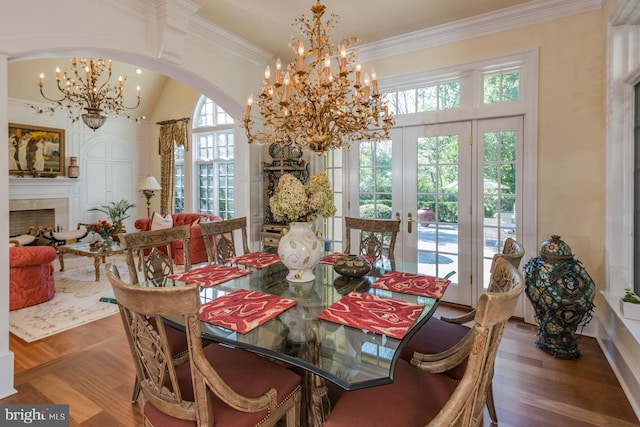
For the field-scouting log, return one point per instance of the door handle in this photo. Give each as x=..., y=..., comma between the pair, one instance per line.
x=409, y=221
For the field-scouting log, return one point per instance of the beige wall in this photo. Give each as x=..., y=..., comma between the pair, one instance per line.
x=176, y=101
x=571, y=128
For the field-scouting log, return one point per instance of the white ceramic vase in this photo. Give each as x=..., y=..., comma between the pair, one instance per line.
x=300, y=251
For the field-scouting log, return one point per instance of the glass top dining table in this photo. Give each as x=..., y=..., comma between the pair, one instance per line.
x=348, y=356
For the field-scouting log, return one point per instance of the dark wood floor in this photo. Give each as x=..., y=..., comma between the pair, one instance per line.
x=90, y=369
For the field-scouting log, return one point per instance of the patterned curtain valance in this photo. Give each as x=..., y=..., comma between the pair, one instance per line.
x=174, y=132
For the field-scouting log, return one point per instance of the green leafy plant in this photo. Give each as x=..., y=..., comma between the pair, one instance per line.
x=629, y=296
x=116, y=211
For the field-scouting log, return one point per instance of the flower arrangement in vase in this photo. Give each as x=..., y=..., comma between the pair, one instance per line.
x=106, y=230
x=299, y=205
x=294, y=202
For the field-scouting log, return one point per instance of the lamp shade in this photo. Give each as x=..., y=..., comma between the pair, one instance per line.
x=149, y=183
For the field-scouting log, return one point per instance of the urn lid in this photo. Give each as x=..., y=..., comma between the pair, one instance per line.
x=555, y=250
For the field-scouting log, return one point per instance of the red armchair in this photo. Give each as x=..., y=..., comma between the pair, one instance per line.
x=30, y=275
x=198, y=251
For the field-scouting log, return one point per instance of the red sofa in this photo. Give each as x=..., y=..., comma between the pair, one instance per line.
x=30, y=275
x=198, y=251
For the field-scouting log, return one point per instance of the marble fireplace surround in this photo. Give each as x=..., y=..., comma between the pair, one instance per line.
x=60, y=208
x=62, y=195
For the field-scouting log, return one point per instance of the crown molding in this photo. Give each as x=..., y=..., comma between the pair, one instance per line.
x=208, y=32
x=627, y=13
x=534, y=12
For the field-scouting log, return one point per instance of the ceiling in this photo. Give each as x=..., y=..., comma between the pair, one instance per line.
x=269, y=24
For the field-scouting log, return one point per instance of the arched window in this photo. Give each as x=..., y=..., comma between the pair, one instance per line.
x=204, y=179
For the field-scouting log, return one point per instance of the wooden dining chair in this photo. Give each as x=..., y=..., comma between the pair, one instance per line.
x=421, y=394
x=153, y=248
x=438, y=336
x=220, y=239
x=513, y=252
x=377, y=237
x=222, y=384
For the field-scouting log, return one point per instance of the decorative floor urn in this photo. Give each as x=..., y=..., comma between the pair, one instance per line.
x=562, y=294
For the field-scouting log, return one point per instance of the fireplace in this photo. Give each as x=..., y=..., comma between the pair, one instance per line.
x=53, y=213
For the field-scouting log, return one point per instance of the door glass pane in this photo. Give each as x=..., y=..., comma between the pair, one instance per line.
x=375, y=180
x=499, y=198
x=437, y=180
x=334, y=225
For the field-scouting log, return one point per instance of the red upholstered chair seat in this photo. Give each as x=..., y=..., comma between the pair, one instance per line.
x=30, y=275
x=246, y=373
x=198, y=251
x=412, y=400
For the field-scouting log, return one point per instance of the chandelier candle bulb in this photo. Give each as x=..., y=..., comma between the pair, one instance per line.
x=278, y=70
x=343, y=60
x=358, y=68
x=366, y=88
x=300, y=57
x=249, y=102
x=327, y=67
x=374, y=82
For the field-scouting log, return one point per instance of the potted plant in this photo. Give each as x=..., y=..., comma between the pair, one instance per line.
x=630, y=305
x=116, y=211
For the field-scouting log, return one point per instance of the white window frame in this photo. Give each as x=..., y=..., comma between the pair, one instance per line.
x=192, y=161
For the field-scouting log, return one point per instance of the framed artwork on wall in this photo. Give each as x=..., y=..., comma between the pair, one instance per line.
x=36, y=151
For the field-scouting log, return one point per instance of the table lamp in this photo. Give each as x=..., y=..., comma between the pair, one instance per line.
x=149, y=186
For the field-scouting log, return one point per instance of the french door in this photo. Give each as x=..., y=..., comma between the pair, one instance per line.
x=455, y=188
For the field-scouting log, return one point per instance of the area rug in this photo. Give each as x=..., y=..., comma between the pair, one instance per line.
x=77, y=300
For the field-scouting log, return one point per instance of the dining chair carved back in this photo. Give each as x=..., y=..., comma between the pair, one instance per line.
x=512, y=251
x=228, y=385
x=220, y=239
x=439, y=336
x=153, y=248
x=421, y=394
x=377, y=237
x=155, y=261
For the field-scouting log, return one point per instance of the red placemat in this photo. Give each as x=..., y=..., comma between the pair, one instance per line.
x=332, y=258
x=255, y=259
x=243, y=310
x=414, y=284
x=210, y=275
x=373, y=313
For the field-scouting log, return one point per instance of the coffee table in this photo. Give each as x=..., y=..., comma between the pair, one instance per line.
x=85, y=249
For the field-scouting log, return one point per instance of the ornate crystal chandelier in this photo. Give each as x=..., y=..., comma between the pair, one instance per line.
x=85, y=88
x=320, y=102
